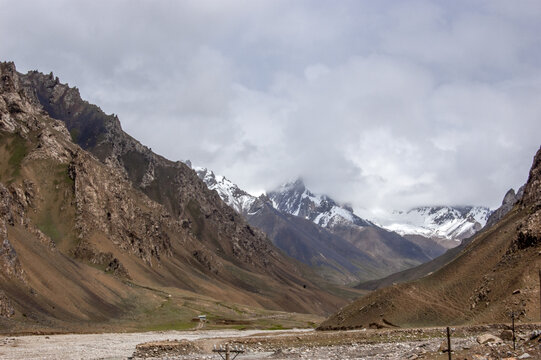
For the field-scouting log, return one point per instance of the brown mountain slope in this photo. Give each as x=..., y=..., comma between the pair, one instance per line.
x=496, y=273
x=333, y=258
x=85, y=240
x=415, y=272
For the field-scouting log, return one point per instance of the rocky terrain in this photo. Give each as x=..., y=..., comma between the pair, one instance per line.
x=509, y=200
x=95, y=227
x=486, y=279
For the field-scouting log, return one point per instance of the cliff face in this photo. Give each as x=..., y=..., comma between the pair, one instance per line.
x=495, y=274
x=532, y=191
x=509, y=200
x=529, y=231
x=94, y=217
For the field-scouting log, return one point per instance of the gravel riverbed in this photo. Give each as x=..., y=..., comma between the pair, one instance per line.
x=367, y=344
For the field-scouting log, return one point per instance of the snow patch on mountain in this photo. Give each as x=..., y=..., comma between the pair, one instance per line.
x=230, y=193
x=441, y=222
x=336, y=215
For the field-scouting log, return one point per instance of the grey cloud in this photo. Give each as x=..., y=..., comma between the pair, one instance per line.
x=382, y=105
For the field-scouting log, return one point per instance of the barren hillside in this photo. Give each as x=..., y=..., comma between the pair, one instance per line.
x=494, y=275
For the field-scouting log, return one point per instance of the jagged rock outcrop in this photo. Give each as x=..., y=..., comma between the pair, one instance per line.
x=509, y=200
x=106, y=205
x=531, y=198
x=10, y=212
x=530, y=229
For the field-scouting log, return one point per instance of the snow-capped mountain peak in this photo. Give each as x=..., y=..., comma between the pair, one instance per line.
x=442, y=222
x=295, y=199
x=290, y=198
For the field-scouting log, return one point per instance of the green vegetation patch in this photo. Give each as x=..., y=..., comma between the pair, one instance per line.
x=48, y=227
x=75, y=133
x=169, y=315
x=195, y=211
x=277, y=327
x=247, y=280
x=14, y=149
x=63, y=174
x=18, y=151
x=55, y=215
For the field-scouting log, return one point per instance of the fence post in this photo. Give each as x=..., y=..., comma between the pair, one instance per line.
x=513, y=327
x=449, y=342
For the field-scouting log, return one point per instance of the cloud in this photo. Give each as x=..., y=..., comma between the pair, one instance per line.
x=384, y=105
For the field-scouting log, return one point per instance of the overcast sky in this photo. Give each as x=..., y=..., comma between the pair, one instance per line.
x=382, y=104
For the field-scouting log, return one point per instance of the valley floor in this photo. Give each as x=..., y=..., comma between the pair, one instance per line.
x=422, y=343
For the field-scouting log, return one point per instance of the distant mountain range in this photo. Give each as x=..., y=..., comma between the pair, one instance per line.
x=318, y=231
x=342, y=246
x=440, y=222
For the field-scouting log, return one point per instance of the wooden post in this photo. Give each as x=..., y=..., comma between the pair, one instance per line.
x=449, y=342
x=513, y=327
x=540, y=293
x=236, y=350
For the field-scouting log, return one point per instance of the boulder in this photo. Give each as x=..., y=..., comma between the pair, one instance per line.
x=507, y=335
x=488, y=338
x=443, y=347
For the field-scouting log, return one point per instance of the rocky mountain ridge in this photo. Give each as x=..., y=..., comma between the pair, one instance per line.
x=229, y=192
x=509, y=200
